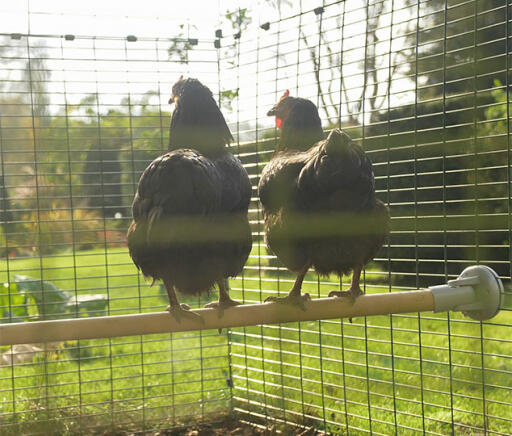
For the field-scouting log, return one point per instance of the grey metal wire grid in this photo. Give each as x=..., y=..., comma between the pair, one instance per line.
x=423, y=86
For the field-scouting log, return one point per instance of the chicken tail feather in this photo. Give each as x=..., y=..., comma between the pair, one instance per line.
x=153, y=217
x=338, y=142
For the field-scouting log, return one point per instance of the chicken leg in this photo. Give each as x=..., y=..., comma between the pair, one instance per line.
x=225, y=300
x=294, y=296
x=177, y=310
x=355, y=289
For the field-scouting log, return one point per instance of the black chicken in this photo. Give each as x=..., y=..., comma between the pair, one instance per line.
x=318, y=199
x=190, y=225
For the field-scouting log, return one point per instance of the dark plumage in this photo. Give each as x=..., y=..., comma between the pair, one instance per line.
x=190, y=225
x=318, y=198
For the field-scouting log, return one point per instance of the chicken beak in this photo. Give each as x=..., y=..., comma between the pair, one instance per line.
x=173, y=99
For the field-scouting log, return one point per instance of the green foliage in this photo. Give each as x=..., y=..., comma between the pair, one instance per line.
x=497, y=113
x=227, y=96
x=13, y=303
x=91, y=162
x=491, y=147
x=239, y=19
x=478, y=39
x=54, y=226
x=181, y=45
x=447, y=152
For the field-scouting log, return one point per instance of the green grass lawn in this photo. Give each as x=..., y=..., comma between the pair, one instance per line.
x=376, y=375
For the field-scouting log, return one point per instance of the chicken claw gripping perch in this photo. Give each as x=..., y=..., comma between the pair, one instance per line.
x=225, y=301
x=318, y=200
x=190, y=226
x=180, y=311
x=294, y=296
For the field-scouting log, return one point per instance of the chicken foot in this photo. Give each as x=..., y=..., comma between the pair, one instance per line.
x=355, y=289
x=225, y=301
x=294, y=296
x=177, y=310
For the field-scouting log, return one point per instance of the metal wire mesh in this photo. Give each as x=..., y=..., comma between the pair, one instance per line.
x=81, y=119
x=423, y=86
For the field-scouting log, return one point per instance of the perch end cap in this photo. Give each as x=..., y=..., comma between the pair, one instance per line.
x=477, y=293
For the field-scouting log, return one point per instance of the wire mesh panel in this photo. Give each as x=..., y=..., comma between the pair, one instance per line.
x=422, y=86
x=81, y=117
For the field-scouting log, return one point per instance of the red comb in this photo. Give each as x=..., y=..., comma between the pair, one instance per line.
x=181, y=78
x=286, y=93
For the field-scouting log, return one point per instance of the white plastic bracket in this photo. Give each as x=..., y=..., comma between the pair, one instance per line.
x=477, y=292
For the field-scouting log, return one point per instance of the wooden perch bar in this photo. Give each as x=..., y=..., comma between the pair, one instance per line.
x=238, y=316
x=477, y=292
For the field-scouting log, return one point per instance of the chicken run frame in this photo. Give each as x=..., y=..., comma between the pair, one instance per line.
x=423, y=86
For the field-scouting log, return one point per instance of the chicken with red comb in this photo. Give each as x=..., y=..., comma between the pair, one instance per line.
x=318, y=198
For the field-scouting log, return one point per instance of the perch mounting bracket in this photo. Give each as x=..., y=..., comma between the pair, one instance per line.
x=477, y=293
